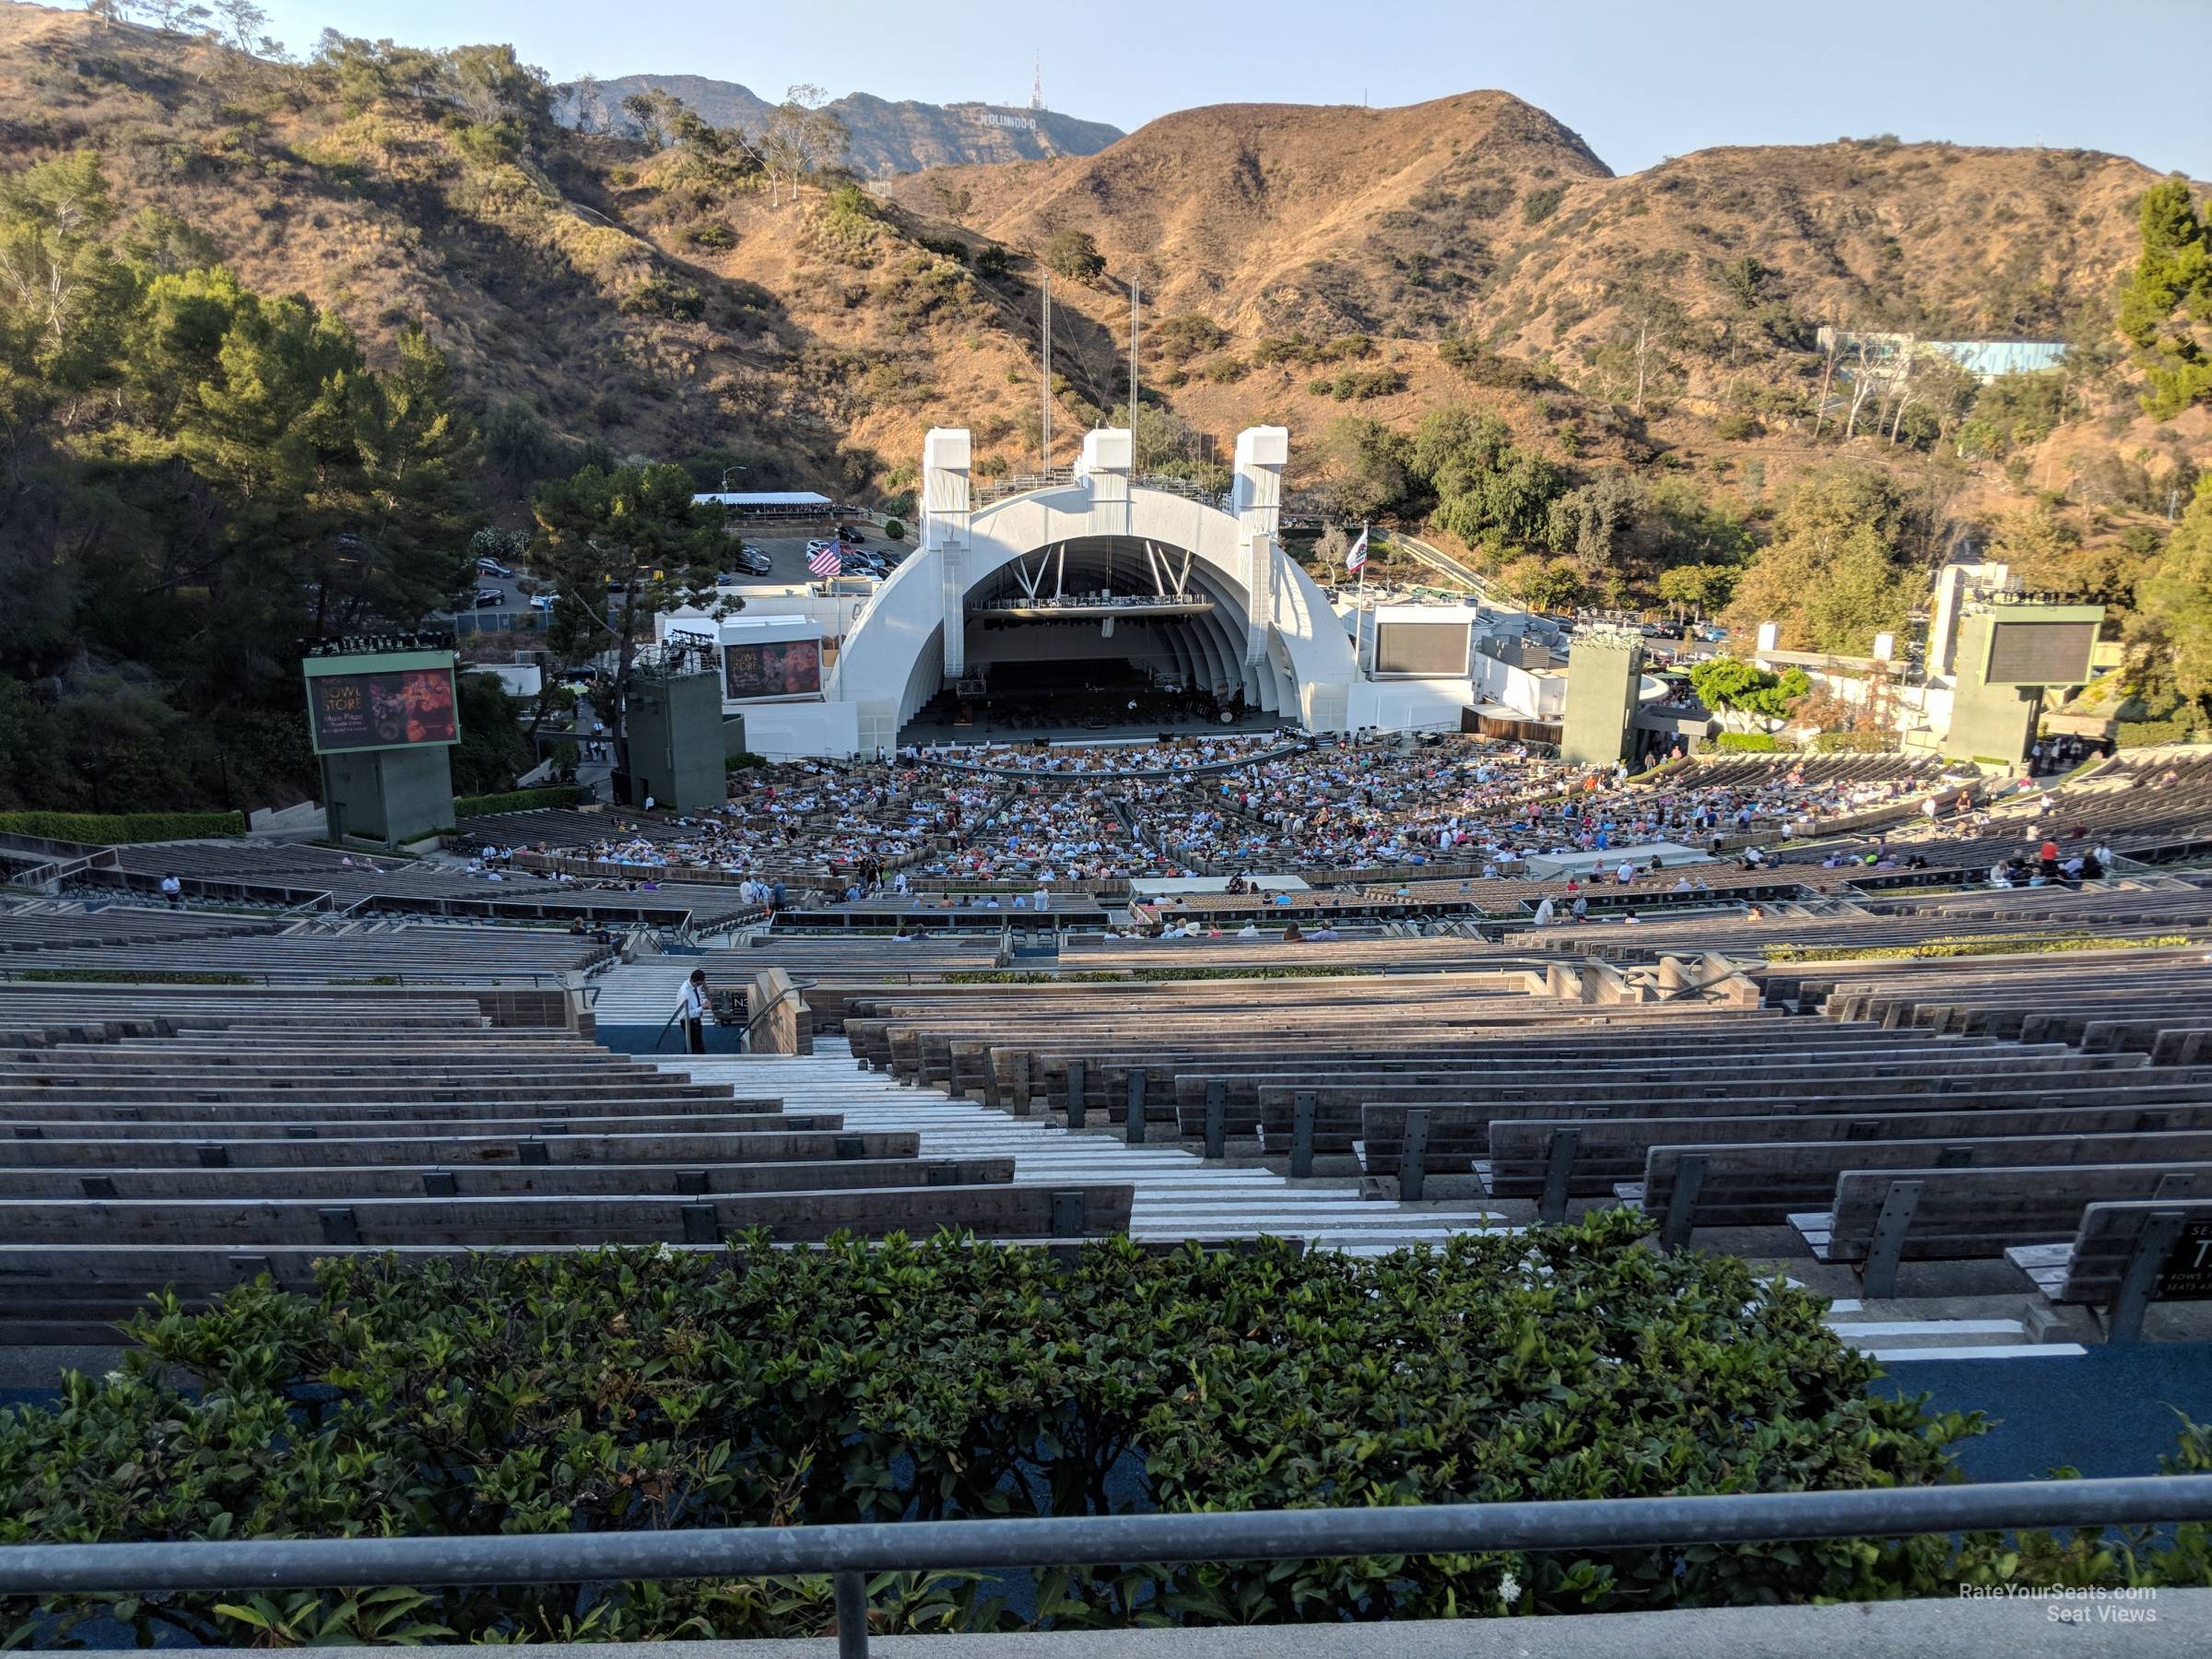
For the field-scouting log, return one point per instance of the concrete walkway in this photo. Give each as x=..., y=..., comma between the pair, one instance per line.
x=2171, y=1624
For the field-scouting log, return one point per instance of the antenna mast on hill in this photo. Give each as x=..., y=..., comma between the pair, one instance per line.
x=1135, y=305
x=1037, y=84
x=1044, y=416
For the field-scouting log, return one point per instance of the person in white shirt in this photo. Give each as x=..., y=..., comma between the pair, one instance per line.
x=173, y=891
x=1626, y=873
x=1544, y=912
x=691, y=1008
x=1248, y=932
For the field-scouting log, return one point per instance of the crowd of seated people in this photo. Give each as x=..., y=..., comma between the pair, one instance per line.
x=1052, y=835
x=1369, y=807
x=1464, y=803
x=1181, y=755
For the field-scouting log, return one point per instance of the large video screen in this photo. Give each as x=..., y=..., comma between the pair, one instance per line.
x=398, y=710
x=1432, y=649
x=778, y=668
x=2040, y=653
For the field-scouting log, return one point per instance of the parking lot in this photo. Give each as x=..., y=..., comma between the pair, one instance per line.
x=787, y=554
x=787, y=567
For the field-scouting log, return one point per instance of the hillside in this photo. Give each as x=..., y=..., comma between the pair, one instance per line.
x=1300, y=265
x=886, y=138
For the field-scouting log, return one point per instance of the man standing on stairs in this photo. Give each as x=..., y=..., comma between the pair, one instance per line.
x=692, y=1008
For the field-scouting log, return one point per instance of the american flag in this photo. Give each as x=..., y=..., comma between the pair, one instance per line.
x=826, y=561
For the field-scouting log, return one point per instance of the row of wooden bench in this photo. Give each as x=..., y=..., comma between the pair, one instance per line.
x=251, y=1133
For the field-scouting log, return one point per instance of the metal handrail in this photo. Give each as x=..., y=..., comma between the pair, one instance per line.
x=850, y=1552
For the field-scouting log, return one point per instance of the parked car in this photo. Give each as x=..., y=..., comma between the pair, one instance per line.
x=492, y=567
x=490, y=598
x=753, y=562
x=543, y=601
x=849, y=533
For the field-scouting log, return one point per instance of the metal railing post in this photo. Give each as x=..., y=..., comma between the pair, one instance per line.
x=1682, y=1202
x=1216, y=1118
x=1413, y=1155
x=1886, y=1248
x=1077, y=1081
x=1559, y=1170
x=1303, y=1107
x=1133, y=1116
x=852, y=1591
x=2125, y=1323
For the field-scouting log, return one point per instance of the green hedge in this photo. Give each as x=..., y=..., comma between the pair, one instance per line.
x=1854, y=743
x=1935, y=950
x=1746, y=743
x=517, y=800
x=109, y=830
x=1014, y=976
x=623, y=1390
x=2149, y=733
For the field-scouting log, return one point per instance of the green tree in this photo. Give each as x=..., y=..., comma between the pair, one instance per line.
x=516, y=442
x=1731, y=687
x=631, y=533
x=2041, y=548
x=1702, y=588
x=1368, y=471
x=799, y=139
x=1074, y=255
x=2166, y=305
x=63, y=292
x=2171, y=635
x=1836, y=572
x=1544, y=584
x=494, y=750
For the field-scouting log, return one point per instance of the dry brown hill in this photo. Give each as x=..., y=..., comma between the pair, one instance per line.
x=1273, y=218
x=1344, y=254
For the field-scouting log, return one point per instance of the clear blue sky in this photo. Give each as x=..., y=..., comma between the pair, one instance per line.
x=1639, y=79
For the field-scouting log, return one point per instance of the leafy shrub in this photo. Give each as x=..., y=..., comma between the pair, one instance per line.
x=716, y=236
x=1073, y=255
x=664, y=297
x=2149, y=733
x=894, y=529
x=1736, y=424
x=1540, y=204
x=1360, y=384
x=1853, y=743
x=1101, y=976
x=1488, y=200
x=622, y=1390
x=1187, y=336
x=743, y=760
x=517, y=800
x=109, y=830
x=1746, y=743
x=1939, y=949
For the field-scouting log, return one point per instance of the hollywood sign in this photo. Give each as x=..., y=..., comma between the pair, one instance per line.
x=1023, y=122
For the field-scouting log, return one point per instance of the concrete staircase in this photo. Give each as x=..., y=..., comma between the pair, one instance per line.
x=1178, y=1194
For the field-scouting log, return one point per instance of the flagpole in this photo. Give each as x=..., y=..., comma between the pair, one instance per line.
x=1360, y=604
